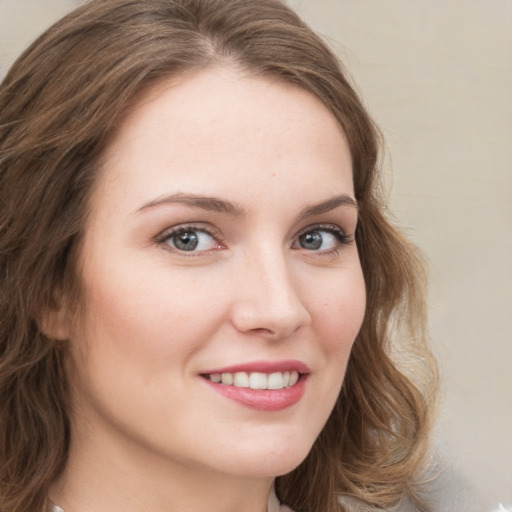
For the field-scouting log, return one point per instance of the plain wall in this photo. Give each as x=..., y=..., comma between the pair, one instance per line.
x=437, y=76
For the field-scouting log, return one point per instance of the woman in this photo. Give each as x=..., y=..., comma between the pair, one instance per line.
x=200, y=292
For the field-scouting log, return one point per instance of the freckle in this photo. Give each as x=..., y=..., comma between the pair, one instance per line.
x=273, y=175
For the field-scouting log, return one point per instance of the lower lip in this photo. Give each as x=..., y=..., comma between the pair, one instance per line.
x=263, y=399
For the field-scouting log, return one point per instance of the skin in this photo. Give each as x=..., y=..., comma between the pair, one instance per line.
x=156, y=317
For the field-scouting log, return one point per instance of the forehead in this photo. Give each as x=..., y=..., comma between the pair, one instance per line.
x=219, y=127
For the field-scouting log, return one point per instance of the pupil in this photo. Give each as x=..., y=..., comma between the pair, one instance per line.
x=311, y=241
x=186, y=241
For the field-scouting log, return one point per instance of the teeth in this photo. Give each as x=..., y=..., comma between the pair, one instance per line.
x=241, y=380
x=227, y=378
x=256, y=380
x=275, y=381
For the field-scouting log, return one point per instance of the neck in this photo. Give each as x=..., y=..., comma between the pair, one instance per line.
x=116, y=475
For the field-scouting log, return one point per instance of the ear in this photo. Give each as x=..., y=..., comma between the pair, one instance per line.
x=56, y=319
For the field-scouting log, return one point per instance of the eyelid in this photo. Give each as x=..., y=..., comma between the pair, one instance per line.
x=342, y=239
x=161, y=238
x=332, y=228
x=340, y=234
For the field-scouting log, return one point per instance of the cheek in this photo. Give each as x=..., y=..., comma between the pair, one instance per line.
x=137, y=339
x=147, y=296
x=339, y=310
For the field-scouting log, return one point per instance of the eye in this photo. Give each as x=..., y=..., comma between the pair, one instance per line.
x=189, y=239
x=323, y=239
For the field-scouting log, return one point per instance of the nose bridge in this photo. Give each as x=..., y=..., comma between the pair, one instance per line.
x=269, y=298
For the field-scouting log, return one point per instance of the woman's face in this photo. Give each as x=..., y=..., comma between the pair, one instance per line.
x=220, y=247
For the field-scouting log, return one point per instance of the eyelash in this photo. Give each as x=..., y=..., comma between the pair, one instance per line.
x=341, y=237
x=339, y=234
x=172, y=232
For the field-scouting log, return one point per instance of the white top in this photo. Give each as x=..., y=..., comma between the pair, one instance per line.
x=274, y=505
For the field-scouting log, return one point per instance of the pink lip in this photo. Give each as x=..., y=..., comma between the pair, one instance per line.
x=263, y=399
x=263, y=367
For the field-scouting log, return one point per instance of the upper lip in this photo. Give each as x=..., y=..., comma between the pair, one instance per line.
x=263, y=367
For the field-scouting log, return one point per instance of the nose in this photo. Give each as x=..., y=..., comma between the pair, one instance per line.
x=268, y=300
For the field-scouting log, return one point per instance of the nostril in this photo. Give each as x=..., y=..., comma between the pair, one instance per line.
x=264, y=331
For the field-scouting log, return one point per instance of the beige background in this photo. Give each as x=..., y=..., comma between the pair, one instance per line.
x=437, y=76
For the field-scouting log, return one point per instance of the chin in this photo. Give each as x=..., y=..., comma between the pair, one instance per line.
x=270, y=461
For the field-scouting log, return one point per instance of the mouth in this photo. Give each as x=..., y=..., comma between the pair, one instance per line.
x=261, y=386
x=256, y=380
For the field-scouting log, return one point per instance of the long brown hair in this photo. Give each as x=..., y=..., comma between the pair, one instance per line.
x=59, y=106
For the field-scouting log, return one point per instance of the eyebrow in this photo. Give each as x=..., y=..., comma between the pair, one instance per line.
x=328, y=205
x=215, y=204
